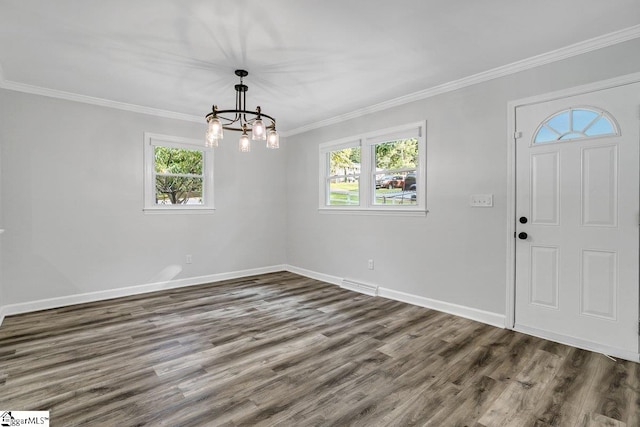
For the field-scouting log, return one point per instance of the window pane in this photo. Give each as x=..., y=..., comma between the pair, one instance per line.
x=545, y=135
x=602, y=126
x=344, y=190
x=399, y=154
x=178, y=190
x=344, y=172
x=178, y=160
x=345, y=162
x=398, y=189
x=559, y=122
x=395, y=177
x=581, y=118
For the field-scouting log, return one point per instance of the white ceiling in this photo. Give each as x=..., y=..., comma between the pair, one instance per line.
x=308, y=60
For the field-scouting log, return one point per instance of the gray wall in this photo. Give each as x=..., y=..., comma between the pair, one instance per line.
x=72, y=177
x=456, y=254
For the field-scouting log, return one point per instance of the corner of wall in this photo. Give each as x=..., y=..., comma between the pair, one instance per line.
x=334, y=280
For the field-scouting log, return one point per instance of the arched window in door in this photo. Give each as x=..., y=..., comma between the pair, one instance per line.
x=576, y=123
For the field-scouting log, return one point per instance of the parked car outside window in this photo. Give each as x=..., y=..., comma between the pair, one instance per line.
x=410, y=182
x=390, y=181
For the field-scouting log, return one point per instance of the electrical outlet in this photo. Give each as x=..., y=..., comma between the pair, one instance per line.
x=370, y=264
x=188, y=259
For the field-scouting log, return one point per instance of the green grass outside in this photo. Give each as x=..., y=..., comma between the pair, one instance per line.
x=339, y=197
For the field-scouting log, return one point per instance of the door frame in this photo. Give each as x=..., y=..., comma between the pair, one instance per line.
x=512, y=106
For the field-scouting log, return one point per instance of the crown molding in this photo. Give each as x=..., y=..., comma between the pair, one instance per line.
x=505, y=70
x=102, y=102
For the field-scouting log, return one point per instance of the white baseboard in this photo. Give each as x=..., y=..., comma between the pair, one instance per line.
x=46, y=304
x=493, y=319
x=579, y=343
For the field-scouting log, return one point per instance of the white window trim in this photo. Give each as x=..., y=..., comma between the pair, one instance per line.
x=151, y=140
x=367, y=141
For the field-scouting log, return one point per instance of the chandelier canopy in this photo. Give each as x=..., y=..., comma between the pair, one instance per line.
x=241, y=120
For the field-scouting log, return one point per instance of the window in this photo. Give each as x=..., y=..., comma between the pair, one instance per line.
x=343, y=181
x=395, y=169
x=178, y=174
x=575, y=123
x=381, y=171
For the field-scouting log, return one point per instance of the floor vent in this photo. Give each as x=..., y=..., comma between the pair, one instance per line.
x=360, y=287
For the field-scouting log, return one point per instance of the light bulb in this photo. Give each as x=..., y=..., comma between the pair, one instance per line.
x=245, y=144
x=258, y=131
x=273, y=140
x=215, y=128
x=210, y=140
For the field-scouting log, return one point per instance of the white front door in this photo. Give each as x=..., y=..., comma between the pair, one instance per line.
x=577, y=213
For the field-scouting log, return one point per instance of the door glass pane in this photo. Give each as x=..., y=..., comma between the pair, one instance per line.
x=584, y=123
x=581, y=118
x=545, y=135
x=601, y=127
x=560, y=122
x=572, y=135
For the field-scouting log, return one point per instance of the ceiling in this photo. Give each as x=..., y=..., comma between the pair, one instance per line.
x=308, y=60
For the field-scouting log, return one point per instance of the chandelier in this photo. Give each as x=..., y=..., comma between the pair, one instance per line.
x=241, y=120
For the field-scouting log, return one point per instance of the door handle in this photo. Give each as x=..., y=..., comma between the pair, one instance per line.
x=522, y=235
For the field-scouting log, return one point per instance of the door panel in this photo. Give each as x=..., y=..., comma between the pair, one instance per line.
x=544, y=276
x=545, y=194
x=599, y=283
x=600, y=186
x=577, y=268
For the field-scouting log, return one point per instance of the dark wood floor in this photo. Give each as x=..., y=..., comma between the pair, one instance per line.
x=280, y=349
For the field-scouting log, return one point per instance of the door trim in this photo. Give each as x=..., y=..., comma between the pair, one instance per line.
x=512, y=106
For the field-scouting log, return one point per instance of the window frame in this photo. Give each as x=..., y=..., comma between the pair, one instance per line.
x=326, y=171
x=367, y=142
x=601, y=114
x=152, y=140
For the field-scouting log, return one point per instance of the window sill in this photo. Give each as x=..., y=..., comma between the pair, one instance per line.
x=178, y=210
x=374, y=211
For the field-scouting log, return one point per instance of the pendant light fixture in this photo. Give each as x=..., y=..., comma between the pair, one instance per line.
x=241, y=120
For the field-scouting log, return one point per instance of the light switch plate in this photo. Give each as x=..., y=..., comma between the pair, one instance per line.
x=481, y=201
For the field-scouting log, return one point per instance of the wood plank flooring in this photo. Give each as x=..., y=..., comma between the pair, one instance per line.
x=284, y=350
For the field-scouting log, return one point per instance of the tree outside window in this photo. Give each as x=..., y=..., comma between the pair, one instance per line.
x=178, y=176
